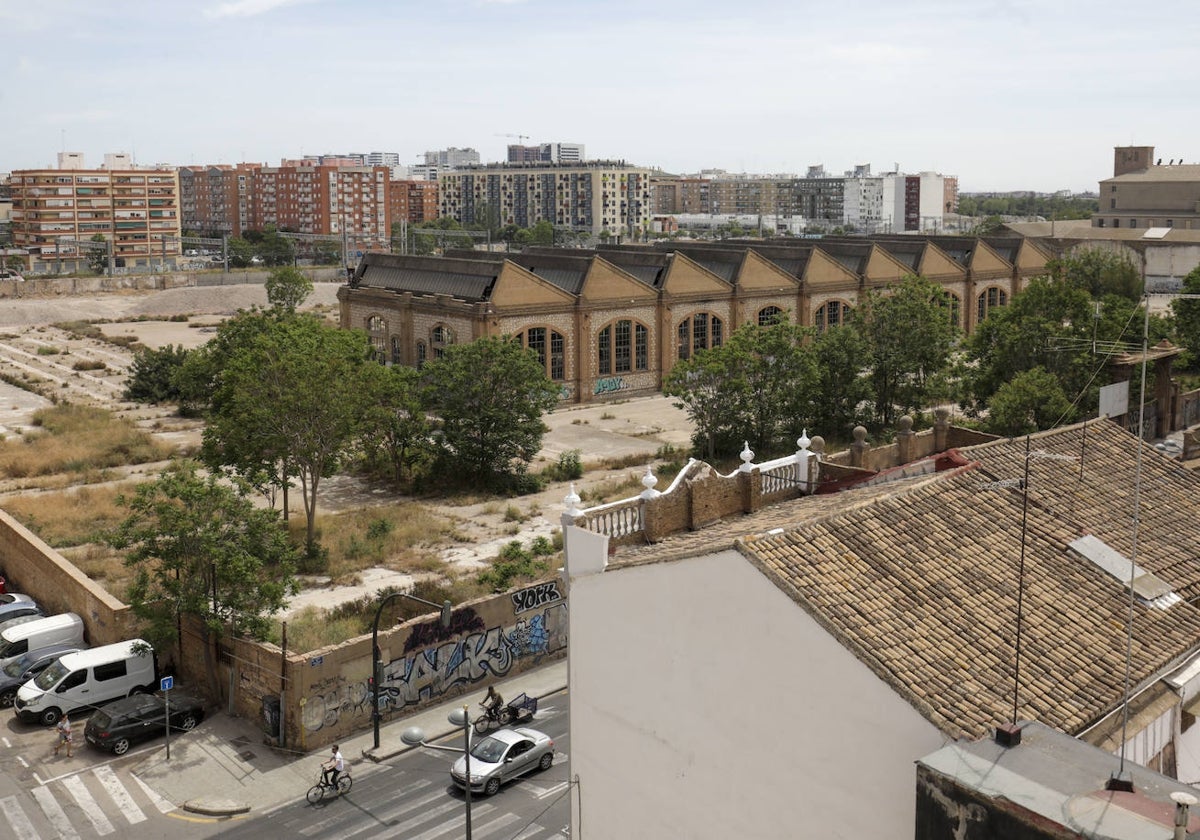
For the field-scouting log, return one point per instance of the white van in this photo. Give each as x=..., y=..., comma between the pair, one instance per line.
x=64, y=629
x=87, y=679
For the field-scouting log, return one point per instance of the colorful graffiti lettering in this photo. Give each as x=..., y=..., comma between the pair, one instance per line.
x=535, y=596
x=610, y=384
x=423, y=635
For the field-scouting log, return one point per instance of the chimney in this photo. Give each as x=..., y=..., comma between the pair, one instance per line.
x=1131, y=159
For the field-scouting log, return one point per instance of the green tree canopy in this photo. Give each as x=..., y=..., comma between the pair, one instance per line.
x=288, y=287
x=843, y=386
x=1098, y=272
x=910, y=335
x=152, y=376
x=1031, y=400
x=396, y=431
x=490, y=396
x=197, y=546
x=1186, y=331
x=97, y=258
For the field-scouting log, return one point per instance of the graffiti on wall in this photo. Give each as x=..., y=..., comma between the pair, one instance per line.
x=533, y=597
x=420, y=675
x=610, y=384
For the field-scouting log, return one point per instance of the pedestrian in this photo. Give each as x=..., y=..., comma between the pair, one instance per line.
x=65, y=736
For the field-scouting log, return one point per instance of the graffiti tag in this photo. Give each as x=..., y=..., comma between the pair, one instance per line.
x=535, y=596
x=610, y=384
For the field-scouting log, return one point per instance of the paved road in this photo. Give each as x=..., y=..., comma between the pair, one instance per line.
x=411, y=797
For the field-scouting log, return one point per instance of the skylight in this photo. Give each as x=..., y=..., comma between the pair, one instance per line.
x=1150, y=589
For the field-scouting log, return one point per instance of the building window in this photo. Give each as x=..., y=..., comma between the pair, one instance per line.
x=953, y=304
x=377, y=333
x=1116, y=222
x=395, y=350
x=701, y=331
x=622, y=347
x=535, y=338
x=769, y=315
x=1133, y=223
x=989, y=299
x=420, y=354
x=441, y=338
x=1112, y=204
x=833, y=314
x=1170, y=223
x=1101, y=224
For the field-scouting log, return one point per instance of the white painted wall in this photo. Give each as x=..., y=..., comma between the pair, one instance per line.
x=707, y=704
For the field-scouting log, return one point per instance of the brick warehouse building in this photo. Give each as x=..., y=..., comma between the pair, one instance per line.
x=613, y=321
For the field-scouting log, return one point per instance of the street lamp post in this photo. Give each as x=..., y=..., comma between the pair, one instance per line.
x=377, y=666
x=414, y=736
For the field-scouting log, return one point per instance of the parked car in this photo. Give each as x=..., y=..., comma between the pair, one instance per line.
x=117, y=725
x=502, y=756
x=15, y=674
x=15, y=605
x=87, y=679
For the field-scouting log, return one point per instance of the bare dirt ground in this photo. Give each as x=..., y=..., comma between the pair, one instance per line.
x=33, y=349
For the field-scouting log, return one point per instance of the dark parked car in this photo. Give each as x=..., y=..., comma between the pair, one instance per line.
x=20, y=671
x=120, y=723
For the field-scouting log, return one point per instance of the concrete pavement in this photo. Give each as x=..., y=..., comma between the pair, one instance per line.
x=224, y=768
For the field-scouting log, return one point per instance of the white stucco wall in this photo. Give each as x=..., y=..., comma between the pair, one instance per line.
x=707, y=704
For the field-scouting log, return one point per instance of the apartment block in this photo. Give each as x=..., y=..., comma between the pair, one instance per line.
x=136, y=210
x=413, y=201
x=547, y=153
x=452, y=158
x=1146, y=193
x=320, y=199
x=218, y=200
x=597, y=196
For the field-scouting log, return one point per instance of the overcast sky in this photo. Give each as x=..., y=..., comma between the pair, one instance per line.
x=1030, y=94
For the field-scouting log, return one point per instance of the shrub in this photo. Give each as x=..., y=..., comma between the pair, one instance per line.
x=568, y=467
x=89, y=364
x=515, y=564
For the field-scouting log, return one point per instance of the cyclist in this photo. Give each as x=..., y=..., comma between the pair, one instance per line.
x=335, y=765
x=492, y=703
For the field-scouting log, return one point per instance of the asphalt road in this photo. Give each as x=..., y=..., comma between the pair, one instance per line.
x=412, y=797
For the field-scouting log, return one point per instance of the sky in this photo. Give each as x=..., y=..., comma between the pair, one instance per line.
x=1006, y=95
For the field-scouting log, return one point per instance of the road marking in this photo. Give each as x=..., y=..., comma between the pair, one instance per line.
x=54, y=812
x=495, y=825
x=24, y=763
x=119, y=794
x=159, y=802
x=558, y=788
x=22, y=828
x=38, y=779
x=87, y=804
x=529, y=832
x=7, y=743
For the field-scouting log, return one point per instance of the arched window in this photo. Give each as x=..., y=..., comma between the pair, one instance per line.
x=990, y=298
x=441, y=338
x=421, y=353
x=549, y=346
x=701, y=331
x=832, y=314
x=377, y=333
x=954, y=307
x=395, y=350
x=622, y=347
x=769, y=315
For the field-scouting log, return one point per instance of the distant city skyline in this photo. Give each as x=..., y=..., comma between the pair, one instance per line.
x=1004, y=95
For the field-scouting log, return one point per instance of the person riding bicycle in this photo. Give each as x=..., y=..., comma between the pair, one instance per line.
x=492, y=703
x=335, y=765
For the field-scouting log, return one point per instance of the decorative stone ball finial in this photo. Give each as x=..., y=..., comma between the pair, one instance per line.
x=747, y=456
x=648, y=481
x=803, y=442
x=905, y=423
x=572, y=500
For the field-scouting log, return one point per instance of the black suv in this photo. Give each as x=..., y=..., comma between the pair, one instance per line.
x=120, y=723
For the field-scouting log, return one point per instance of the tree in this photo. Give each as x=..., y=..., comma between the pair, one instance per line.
x=842, y=358
x=287, y=288
x=1098, y=272
x=490, y=395
x=241, y=252
x=1031, y=400
x=152, y=374
x=198, y=547
x=910, y=335
x=97, y=257
x=293, y=396
x=1187, y=318
x=542, y=233
x=396, y=431
x=276, y=250
x=701, y=387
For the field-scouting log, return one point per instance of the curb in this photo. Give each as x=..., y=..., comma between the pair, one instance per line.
x=371, y=755
x=216, y=807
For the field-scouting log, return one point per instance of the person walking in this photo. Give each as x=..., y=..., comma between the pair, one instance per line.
x=65, y=736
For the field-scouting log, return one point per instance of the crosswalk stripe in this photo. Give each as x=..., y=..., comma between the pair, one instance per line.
x=22, y=828
x=119, y=794
x=409, y=804
x=401, y=829
x=54, y=812
x=398, y=829
x=161, y=804
x=87, y=804
x=492, y=828
x=529, y=832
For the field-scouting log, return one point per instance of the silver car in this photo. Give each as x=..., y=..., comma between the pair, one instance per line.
x=502, y=756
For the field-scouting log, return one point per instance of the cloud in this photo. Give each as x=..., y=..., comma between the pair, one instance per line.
x=248, y=8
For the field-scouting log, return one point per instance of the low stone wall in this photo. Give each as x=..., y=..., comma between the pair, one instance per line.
x=50, y=286
x=32, y=567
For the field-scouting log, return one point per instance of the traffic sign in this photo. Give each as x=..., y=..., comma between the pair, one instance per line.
x=166, y=683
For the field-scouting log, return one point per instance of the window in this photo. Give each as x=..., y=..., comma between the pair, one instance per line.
x=420, y=354
x=1101, y=224
x=110, y=670
x=622, y=347
x=954, y=306
x=395, y=350
x=377, y=334
x=441, y=338
x=769, y=315
x=1133, y=223
x=1170, y=223
x=1116, y=222
x=535, y=338
x=73, y=679
x=833, y=314
x=1112, y=204
x=990, y=299
x=701, y=331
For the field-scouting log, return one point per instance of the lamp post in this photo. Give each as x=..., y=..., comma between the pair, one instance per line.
x=377, y=666
x=414, y=736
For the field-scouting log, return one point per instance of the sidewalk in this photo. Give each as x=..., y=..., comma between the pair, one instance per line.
x=224, y=768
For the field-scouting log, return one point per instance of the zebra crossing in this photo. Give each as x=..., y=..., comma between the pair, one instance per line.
x=92, y=803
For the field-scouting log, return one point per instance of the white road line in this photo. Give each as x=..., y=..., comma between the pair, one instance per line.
x=24, y=763
x=22, y=828
x=87, y=804
x=401, y=829
x=529, y=832
x=491, y=828
x=161, y=804
x=7, y=743
x=558, y=788
x=54, y=812
x=119, y=794
x=38, y=779
x=408, y=804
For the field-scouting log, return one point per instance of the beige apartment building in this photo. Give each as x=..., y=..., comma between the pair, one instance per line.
x=597, y=196
x=57, y=211
x=1145, y=193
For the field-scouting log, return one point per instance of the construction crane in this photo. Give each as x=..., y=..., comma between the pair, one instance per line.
x=521, y=137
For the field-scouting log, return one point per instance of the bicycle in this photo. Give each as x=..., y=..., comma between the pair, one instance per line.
x=317, y=792
x=502, y=716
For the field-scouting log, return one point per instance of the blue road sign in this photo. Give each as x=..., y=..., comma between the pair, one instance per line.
x=166, y=683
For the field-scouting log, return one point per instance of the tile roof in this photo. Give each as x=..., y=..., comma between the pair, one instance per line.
x=470, y=280
x=920, y=581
